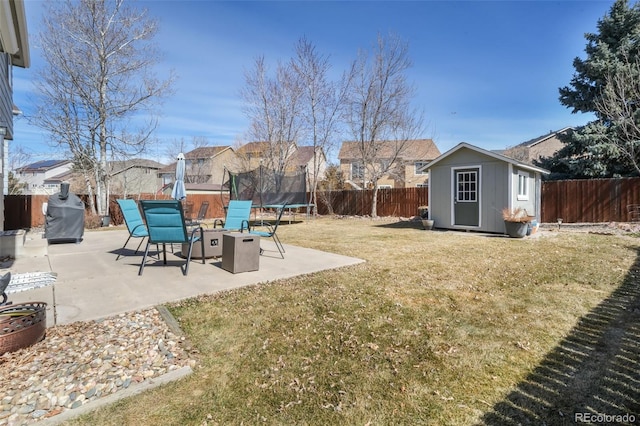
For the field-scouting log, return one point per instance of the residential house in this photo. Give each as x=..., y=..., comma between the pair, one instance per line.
x=408, y=171
x=310, y=159
x=272, y=156
x=134, y=176
x=205, y=168
x=128, y=177
x=14, y=52
x=537, y=148
x=43, y=177
x=295, y=158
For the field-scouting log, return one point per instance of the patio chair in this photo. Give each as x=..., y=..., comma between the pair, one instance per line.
x=271, y=231
x=134, y=222
x=199, y=220
x=634, y=212
x=238, y=214
x=165, y=223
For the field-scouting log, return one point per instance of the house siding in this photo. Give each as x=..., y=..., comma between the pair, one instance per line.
x=546, y=148
x=136, y=180
x=6, y=95
x=227, y=159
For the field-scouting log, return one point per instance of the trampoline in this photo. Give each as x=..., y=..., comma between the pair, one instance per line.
x=270, y=189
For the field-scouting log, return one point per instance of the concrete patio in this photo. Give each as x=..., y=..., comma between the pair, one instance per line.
x=91, y=284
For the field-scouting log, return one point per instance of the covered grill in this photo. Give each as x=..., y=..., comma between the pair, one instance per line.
x=65, y=217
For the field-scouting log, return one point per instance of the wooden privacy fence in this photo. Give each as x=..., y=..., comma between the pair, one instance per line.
x=25, y=211
x=589, y=200
x=575, y=201
x=398, y=202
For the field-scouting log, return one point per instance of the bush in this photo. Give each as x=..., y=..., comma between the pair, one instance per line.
x=92, y=221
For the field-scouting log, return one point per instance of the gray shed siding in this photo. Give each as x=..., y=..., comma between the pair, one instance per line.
x=529, y=204
x=493, y=196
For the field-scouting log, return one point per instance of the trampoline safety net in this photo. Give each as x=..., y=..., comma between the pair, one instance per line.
x=268, y=187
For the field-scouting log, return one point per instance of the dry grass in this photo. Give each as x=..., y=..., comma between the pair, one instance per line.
x=435, y=328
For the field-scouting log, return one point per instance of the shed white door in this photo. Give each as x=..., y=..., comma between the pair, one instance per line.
x=466, y=201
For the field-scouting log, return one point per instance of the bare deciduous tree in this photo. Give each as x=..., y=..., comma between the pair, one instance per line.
x=198, y=170
x=518, y=152
x=378, y=111
x=618, y=108
x=273, y=106
x=321, y=102
x=330, y=186
x=18, y=157
x=96, y=84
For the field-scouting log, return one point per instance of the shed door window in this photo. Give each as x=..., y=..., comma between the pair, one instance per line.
x=467, y=186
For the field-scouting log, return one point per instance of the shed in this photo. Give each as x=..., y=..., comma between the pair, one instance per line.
x=470, y=186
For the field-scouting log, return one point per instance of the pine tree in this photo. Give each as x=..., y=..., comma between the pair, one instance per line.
x=592, y=151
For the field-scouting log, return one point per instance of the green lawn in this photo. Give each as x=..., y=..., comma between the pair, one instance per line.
x=435, y=328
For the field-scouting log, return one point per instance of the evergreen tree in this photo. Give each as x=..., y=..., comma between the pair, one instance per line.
x=592, y=150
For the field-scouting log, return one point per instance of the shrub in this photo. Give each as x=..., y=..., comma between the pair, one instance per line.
x=92, y=221
x=515, y=215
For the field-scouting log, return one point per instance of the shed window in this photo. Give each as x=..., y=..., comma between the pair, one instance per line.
x=523, y=185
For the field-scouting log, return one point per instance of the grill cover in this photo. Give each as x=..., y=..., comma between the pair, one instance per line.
x=65, y=217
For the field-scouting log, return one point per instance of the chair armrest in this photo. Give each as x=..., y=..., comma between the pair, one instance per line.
x=267, y=225
x=218, y=221
x=245, y=222
x=193, y=233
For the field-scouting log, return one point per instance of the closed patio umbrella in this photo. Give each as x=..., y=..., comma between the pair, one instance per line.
x=179, y=192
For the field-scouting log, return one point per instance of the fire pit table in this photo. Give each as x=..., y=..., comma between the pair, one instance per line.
x=212, y=244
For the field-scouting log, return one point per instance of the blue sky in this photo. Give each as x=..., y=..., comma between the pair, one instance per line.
x=486, y=72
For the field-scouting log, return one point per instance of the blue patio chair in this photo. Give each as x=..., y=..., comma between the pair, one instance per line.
x=238, y=214
x=271, y=231
x=165, y=223
x=134, y=222
x=199, y=220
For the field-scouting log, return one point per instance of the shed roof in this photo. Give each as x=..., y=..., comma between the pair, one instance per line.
x=464, y=145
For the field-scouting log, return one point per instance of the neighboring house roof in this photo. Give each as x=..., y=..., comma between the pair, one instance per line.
x=168, y=169
x=540, y=139
x=14, y=38
x=61, y=177
x=303, y=155
x=203, y=186
x=415, y=149
x=205, y=152
x=196, y=154
x=492, y=154
x=42, y=166
x=121, y=166
x=253, y=148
